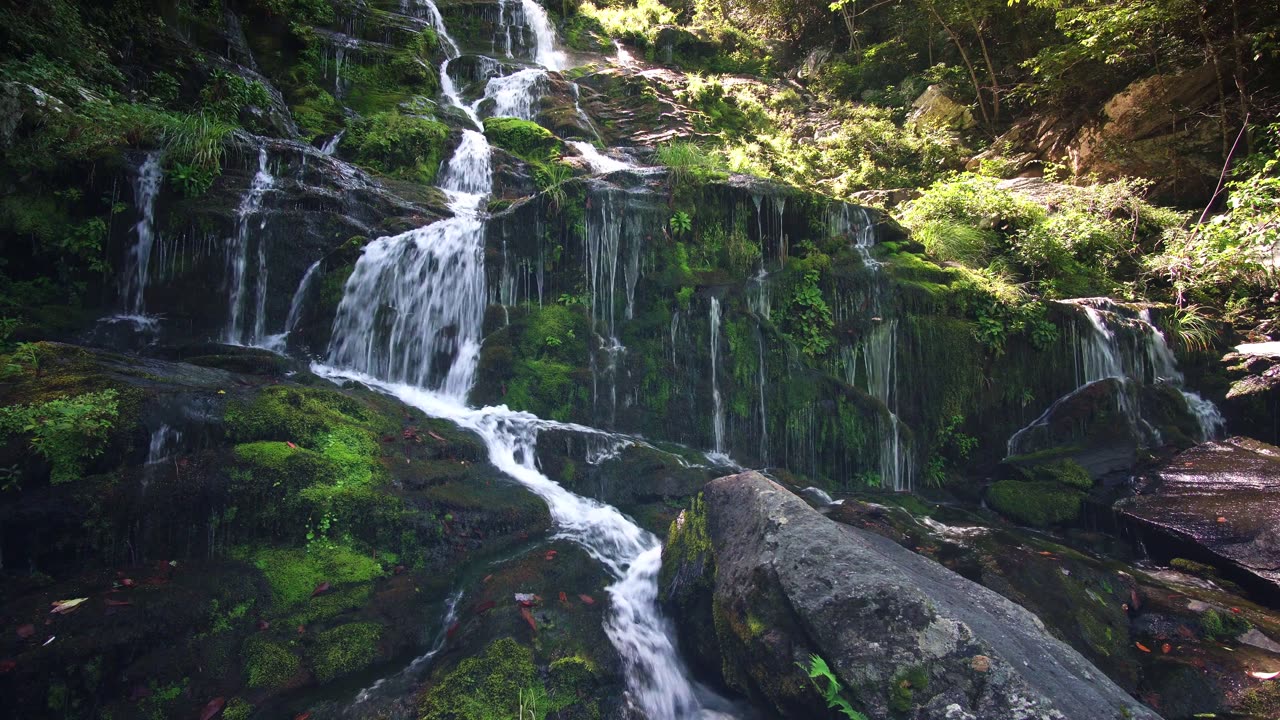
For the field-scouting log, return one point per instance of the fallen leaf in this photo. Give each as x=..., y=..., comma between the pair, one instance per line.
x=222, y=392
x=321, y=589
x=487, y=578
x=111, y=602
x=564, y=598
x=302, y=629
x=303, y=716
x=7, y=666
x=1221, y=519
x=437, y=437
x=263, y=625
x=65, y=606
x=291, y=445
x=452, y=629
x=213, y=708
x=1142, y=647
x=587, y=599
x=399, y=570
x=1046, y=553
x=485, y=607
x=1135, y=603
x=528, y=617
x=551, y=555
x=26, y=631
x=127, y=582
x=1264, y=675
x=1166, y=648
x=1235, y=610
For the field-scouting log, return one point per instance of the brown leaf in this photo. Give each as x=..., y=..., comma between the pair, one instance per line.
x=528, y=617
x=1166, y=648
x=213, y=708
x=63, y=607
x=1142, y=647
x=321, y=589
x=587, y=599
x=26, y=631
x=118, y=603
x=303, y=716
x=263, y=625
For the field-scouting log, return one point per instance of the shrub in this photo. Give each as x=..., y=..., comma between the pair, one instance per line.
x=67, y=431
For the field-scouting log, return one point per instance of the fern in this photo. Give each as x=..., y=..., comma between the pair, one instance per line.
x=819, y=670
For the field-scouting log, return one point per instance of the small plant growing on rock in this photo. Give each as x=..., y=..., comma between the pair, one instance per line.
x=67, y=431
x=820, y=674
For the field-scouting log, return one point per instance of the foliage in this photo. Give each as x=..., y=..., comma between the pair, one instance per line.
x=951, y=447
x=689, y=161
x=551, y=179
x=636, y=23
x=225, y=94
x=807, y=317
x=680, y=222
x=66, y=431
x=405, y=145
x=820, y=675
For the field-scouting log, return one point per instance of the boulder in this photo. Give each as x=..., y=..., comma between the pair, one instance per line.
x=934, y=108
x=1254, y=398
x=904, y=636
x=1219, y=503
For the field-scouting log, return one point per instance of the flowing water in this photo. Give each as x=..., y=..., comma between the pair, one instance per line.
x=409, y=323
x=1114, y=343
x=238, y=259
x=717, y=406
x=145, y=189
x=278, y=341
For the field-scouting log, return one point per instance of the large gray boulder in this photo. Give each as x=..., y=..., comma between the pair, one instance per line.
x=906, y=637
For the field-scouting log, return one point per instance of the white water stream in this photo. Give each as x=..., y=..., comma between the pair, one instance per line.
x=409, y=324
x=238, y=259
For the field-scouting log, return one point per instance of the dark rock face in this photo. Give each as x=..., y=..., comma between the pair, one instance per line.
x=905, y=636
x=1254, y=398
x=1218, y=502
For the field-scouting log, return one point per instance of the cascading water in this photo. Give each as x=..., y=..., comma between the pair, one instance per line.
x=277, y=342
x=545, y=52
x=1111, y=344
x=409, y=323
x=717, y=406
x=145, y=189
x=238, y=258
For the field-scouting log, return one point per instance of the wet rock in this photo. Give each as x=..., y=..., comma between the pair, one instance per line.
x=1218, y=502
x=1253, y=400
x=902, y=633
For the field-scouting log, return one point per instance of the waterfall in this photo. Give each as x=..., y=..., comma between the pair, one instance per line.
x=1117, y=343
x=145, y=189
x=764, y=409
x=545, y=53
x=598, y=161
x=331, y=145
x=409, y=323
x=413, y=307
x=238, y=257
x=277, y=342
x=717, y=407
x=516, y=95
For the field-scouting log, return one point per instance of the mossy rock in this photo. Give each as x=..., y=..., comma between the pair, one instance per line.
x=486, y=686
x=270, y=665
x=406, y=145
x=525, y=139
x=1036, y=503
x=299, y=415
x=344, y=649
x=295, y=573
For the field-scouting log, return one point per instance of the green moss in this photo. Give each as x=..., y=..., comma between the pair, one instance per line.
x=237, y=708
x=523, y=138
x=485, y=687
x=329, y=605
x=408, y=146
x=344, y=649
x=1067, y=472
x=300, y=415
x=688, y=542
x=294, y=573
x=1035, y=503
x=1192, y=567
x=270, y=664
x=904, y=686
x=1223, y=627
x=1263, y=701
